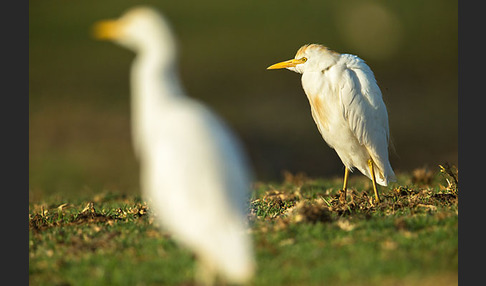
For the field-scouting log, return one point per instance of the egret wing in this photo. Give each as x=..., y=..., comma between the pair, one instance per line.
x=363, y=104
x=365, y=110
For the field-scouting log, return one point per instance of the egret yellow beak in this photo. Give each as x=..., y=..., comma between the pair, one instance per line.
x=106, y=30
x=287, y=64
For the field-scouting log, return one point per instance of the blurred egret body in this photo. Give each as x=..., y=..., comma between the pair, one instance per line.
x=192, y=168
x=347, y=106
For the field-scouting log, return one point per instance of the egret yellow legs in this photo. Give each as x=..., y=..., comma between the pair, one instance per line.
x=373, y=179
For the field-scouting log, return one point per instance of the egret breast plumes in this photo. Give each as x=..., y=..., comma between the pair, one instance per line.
x=348, y=109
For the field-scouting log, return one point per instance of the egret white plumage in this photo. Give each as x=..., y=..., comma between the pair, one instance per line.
x=348, y=109
x=193, y=170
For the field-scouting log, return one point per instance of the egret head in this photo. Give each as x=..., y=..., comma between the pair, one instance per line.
x=312, y=57
x=140, y=29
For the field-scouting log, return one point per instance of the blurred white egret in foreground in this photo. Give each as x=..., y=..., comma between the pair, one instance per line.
x=193, y=170
x=348, y=108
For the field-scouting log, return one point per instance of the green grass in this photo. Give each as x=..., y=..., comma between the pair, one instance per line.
x=302, y=235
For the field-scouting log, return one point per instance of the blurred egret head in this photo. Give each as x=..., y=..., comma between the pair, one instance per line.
x=139, y=29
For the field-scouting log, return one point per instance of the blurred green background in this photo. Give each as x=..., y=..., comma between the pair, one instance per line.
x=79, y=136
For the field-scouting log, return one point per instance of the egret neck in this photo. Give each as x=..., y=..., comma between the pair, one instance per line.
x=155, y=86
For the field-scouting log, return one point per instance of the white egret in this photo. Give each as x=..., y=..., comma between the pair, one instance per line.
x=348, y=109
x=193, y=170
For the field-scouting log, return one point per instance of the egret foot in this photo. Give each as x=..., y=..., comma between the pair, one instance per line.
x=373, y=178
x=342, y=196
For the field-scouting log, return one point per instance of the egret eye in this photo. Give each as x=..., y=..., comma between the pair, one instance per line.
x=304, y=59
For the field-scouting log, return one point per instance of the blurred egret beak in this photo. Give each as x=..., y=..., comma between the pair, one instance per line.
x=106, y=30
x=287, y=64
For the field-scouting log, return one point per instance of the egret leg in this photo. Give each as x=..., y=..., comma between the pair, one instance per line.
x=345, y=185
x=342, y=197
x=372, y=170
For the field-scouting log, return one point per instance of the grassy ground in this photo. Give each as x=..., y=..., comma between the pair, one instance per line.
x=303, y=235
